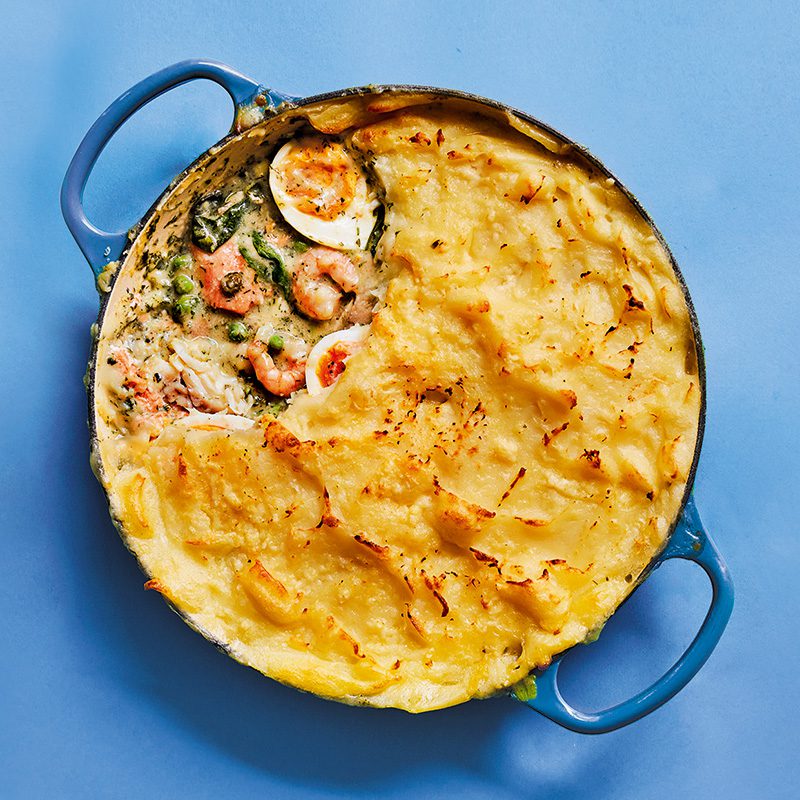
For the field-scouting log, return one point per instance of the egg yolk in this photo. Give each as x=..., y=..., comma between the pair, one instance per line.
x=321, y=178
x=332, y=365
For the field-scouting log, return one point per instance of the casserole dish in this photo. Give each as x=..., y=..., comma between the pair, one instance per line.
x=264, y=119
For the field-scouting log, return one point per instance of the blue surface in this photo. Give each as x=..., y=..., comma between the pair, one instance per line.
x=104, y=693
x=688, y=541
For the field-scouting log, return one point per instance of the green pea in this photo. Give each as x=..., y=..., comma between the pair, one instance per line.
x=183, y=284
x=179, y=262
x=237, y=331
x=275, y=343
x=185, y=306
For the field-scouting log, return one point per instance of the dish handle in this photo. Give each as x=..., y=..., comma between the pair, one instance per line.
x=100, y=246
x=689, y=542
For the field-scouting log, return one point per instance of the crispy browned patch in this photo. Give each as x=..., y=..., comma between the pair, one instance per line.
x=419, y=138
x=346, y=637
x=476, y=416
x=531, y=193
x=570, y=397
x=329, y=519
x=154, y=585
x=632, y=302
x=415, y=623
x=258, y=570
x=458, y=520
x=517, y=478
x=561, y=564
x=484, y=558
x=378, y=549
x=434, y=584
x=548, y=437
x=439, y=136
x=471, y=519
x=534, y=523
x=669, y=461
x=283, y=441
x=592, y=456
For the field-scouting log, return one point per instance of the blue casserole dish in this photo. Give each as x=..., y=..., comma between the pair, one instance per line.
x=255, y=103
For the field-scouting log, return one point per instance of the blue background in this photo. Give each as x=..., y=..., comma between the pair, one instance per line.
x=104, y=693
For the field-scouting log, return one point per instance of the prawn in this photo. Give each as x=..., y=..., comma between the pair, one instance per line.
x=153, y=411
x=281, y=381
x=315, y=296
x=133, y=381
x=228, y=283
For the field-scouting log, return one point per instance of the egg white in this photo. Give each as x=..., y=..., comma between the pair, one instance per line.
x=203, y=421
x=350, y=230
x=356, y=334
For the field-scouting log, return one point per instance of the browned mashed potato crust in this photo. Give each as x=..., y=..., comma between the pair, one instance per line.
x=487, y=480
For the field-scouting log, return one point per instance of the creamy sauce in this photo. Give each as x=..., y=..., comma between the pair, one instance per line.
x=182, y=336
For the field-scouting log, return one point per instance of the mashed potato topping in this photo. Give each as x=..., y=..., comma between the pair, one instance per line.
x=488, y=477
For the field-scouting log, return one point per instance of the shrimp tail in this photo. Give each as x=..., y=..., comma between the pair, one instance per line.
x=277, y=381
x=323, y=275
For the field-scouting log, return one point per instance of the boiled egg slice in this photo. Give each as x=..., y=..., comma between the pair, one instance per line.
x=322, y=193
x=328, y=357
x=211, y=422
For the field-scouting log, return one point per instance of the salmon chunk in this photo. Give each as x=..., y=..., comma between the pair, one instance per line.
x=228, y=282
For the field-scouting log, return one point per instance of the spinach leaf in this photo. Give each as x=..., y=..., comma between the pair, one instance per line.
x=214, y=222
x=264, y=271
x=377, y=231
x=280, y=275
